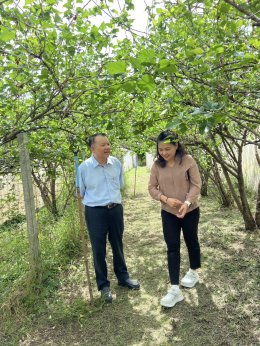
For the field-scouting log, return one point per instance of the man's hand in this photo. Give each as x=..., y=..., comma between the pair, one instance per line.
x=182, y=211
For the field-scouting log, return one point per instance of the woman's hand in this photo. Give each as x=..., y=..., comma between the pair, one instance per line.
x=173, y=202
x=182, y=211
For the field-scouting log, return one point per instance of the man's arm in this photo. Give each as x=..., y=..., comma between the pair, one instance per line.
x=121, y=176
x=82, y=187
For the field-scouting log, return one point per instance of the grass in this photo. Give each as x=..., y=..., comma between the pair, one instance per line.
x=220, y=310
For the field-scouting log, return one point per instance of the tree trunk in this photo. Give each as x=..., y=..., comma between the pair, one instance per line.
x=226, y=200
x=205, y=181
x=241, y=201
x=249, y=220
x=48, y=196
x=257, y=213
x=248, y=217
x=237, y=172
x=54, y=209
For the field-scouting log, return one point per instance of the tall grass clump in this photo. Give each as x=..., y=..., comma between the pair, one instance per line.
x=60, y=244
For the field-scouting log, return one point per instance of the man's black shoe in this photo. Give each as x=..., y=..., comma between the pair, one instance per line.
x=131, y=284
x=106, y=295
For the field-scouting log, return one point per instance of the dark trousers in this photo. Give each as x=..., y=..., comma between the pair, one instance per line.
x=106, y=223
x=172, y=226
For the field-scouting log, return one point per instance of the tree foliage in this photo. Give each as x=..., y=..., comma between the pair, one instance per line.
x=68, y=72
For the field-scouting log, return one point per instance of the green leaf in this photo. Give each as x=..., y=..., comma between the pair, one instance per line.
x=129, y=86
x=146, y=83
x=198, y=51
x=249, y=56
x=219, y=50
x=167, y=66
x=165, y=111
x=116, y=67
x=224, y=8
x=68, y=5
x=136, y=63
x=164, y=63
x=209, y=105
x=147, y=56
x=71, y=50
x=203, y=69
x=129, y=5
x=255, y=43
x=57, y=18
x=198, y=111
x=178, y=125
x=109, y=125
x=202, y=127
x=44, y=74
x=103, y=26
x=7, y=35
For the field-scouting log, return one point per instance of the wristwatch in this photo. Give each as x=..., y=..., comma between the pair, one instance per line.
x=188, y=203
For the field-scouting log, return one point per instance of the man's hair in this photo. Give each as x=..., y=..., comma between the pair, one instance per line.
x=91, y=139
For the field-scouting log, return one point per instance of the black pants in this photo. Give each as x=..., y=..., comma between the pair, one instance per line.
x=106, y=223
x=172, y=226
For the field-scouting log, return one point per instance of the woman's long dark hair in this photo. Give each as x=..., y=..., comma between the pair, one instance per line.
x=170, y=137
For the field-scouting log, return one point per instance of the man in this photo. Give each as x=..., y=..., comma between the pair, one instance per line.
x=101, y=178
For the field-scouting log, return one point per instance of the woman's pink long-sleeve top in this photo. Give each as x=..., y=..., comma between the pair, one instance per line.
x=182, y=181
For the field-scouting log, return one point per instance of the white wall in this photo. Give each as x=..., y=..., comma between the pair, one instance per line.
x=129, y=161
x=251, y=168
x=149, y=158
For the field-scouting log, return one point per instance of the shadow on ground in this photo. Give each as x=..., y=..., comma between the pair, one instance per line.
x=220, y=311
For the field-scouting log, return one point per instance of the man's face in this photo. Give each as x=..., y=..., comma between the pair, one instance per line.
x=101, y=148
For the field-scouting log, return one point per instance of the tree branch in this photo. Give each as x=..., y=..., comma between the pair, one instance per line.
x=243, y=10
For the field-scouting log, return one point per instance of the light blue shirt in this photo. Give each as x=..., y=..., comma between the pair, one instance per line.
x=100, y=185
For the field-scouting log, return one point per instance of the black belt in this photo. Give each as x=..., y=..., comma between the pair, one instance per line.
x=108, y=206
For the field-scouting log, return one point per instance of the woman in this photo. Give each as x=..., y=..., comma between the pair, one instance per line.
x=175, y=181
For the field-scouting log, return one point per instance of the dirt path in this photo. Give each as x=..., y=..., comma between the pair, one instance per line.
x=220, y=310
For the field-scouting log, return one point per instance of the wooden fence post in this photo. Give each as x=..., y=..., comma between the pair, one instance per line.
x=135, y=167
x=82, y=228
x=32, y=229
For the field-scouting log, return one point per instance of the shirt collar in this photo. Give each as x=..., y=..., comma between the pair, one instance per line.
x=95, y=162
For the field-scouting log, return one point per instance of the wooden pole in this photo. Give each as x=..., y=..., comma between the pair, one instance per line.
x=32, y=229
x=135, y=181
x=82, y=230
x=135, y=166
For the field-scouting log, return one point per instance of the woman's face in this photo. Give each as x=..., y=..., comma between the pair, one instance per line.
x=167, y=150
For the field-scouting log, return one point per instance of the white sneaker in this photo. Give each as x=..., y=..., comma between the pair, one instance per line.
x=190, y=279
x=172, y=297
